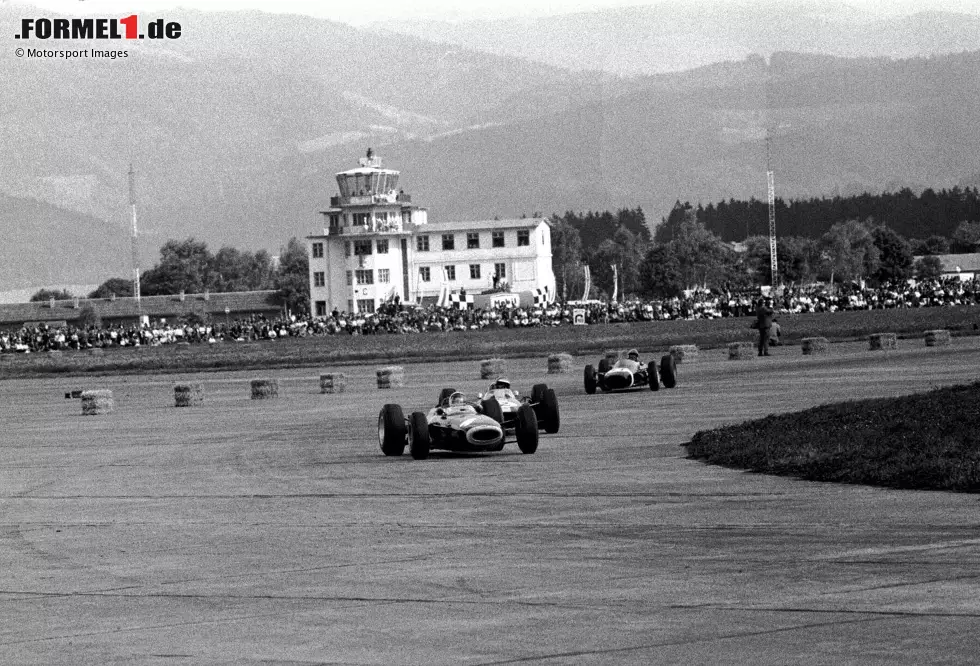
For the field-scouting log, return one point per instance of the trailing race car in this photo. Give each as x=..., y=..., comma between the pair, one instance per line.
x=502, y=403
x=630, y=373
x=456, y=423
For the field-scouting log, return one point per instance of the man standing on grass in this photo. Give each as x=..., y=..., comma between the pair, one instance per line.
x=763, y=322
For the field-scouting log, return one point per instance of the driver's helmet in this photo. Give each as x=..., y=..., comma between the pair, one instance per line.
x=633, y=355
x=457, y=399
x=501, y=383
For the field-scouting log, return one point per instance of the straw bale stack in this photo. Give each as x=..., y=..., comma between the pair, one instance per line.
x=97, y=402
x=738, y=351
x=683, y=353
x=878, y=341
x=186, y=395
x=73, y=394
x=333, y=382
x=392, y=376
x=492, y=367
x=938, y=338
x=264, y=389
x=559, y=363
x=815, y=345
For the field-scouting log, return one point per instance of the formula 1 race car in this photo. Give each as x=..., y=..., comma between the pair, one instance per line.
x=456, y=423
x=502, y=403
x=630, y=373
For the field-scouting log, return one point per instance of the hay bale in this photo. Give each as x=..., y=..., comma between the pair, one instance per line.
x=740, y=350
x=263, y=389
x=97, y=402
x=492, y=367
x=186, y=395
x=815, y=346
x=72, y=395
x=333, y=382
x=559, y=363
x=882, y=341
x=938, y=338
x=392, y=376
x=683, y=353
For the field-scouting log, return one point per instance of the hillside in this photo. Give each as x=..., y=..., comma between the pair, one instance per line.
x=671, y=36
x=236, y=131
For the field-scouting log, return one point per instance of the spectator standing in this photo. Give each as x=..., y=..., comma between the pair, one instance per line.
x=763, y=321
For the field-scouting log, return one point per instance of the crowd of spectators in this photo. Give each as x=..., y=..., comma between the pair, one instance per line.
x=408, y=319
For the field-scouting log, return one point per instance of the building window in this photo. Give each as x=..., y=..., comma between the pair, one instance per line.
x=425, y=273
x=474, y=271
x=365, y=305
x=362, y=247
x=382, y=246
x=364, y=276
x=317, y=250
x=361, y=219
x=318, y=280
x=448, y=242
x=473, y=240
x=450, y=273
x=523, y=237
x=382, y=217
x=334, y=220
x=346, y=248
x=422, y=244
x=350, y=278
x=384, y=275
x=500, y=271
x=498, y=238
x=321, y=308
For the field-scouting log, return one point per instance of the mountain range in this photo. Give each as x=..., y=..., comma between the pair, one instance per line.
x=236, y=130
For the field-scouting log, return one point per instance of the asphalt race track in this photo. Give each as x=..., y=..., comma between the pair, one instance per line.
x=275, y=532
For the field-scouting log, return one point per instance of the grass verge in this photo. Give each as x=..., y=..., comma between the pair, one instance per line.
x=925, y=441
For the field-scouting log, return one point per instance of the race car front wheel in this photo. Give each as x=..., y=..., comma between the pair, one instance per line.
x=391, y=430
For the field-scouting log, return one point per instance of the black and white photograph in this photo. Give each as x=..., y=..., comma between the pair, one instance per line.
x=497, y=332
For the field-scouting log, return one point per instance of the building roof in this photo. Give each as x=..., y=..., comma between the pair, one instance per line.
x=241, y=302
x=521, y=223
x=959, y=263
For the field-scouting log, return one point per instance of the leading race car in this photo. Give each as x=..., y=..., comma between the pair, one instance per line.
x=629, y=373
x=456, y=423
x=502, y=403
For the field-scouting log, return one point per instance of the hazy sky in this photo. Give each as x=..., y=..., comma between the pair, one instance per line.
x=352, y=11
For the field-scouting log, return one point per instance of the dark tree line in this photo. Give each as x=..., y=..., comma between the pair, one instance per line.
x=915, y=217
x=189, y=266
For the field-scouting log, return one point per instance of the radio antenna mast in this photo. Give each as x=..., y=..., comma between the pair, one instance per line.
x=772, y=210
x=135, y=248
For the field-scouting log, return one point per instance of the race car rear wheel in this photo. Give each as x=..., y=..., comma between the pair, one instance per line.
x=391, y=430
x=492, y=409
x=668, y=371
x=527, y=429
x=418, y=436
x=537, y=392
x=652, y=376
x=549, y=412
x=590, y=379
x=443, y=394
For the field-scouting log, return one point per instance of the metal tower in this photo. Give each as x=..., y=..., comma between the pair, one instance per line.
x=135, y=248
x=772, y=211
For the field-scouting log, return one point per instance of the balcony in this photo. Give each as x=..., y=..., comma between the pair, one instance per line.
x=363, y=229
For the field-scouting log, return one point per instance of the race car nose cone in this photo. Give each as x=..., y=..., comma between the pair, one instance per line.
x=483, y=434
x=615, y=381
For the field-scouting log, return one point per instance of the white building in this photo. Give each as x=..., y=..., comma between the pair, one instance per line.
x=377, y=246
